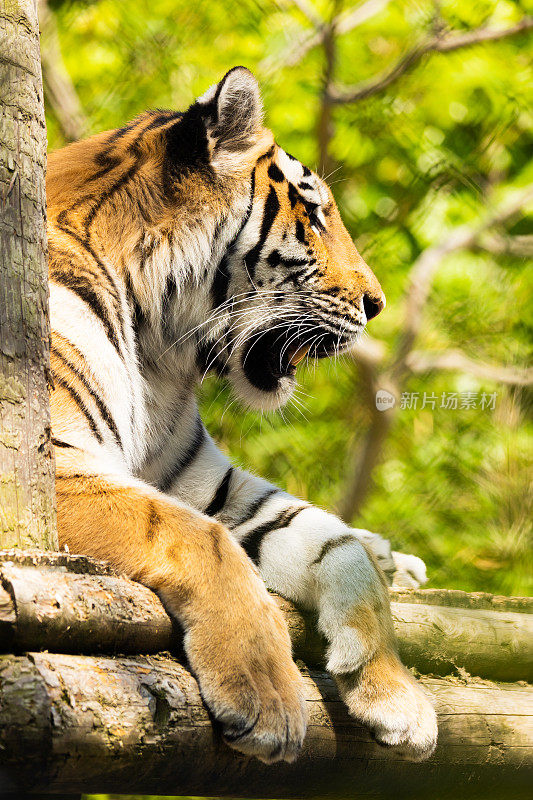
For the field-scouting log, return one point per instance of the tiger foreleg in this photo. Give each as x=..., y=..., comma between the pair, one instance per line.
x=235, y=637
x=336, y=574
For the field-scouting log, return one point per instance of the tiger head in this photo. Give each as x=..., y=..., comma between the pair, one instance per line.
x=292, y=279
x=224, y=239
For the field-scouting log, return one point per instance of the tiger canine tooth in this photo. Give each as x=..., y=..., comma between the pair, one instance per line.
x=299, y=354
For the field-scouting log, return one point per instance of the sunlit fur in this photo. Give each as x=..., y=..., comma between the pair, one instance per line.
x=179, y=244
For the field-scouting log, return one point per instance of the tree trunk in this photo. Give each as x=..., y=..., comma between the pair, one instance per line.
x=27, y=508
x=369, y=454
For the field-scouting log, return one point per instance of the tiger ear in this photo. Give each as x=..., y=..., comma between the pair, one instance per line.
x=234, y=111
x=222, y=129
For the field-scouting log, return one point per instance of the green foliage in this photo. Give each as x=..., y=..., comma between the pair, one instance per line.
x=137, y=797
x=415, y=161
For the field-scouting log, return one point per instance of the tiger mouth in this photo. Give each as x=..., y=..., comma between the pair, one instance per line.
x=272, y=355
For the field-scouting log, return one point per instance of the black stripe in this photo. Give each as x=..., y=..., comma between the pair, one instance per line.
x=238, y=732
x=85, y=241
x=300, y=232
x=137, y=314
x=145, y=193
x=59, y=443
x=111, y=288
x=170, y=291
x=221, y=495
x=85, y=290
x=130, y=173
x=294, y=195
x=168, y=329
x=81, y=405
x=183, y=461
x=145, y=251
x=120, y=132
x=101, y=406
x=270, y=213
x=275, y=173
x=331, y=544
x=269, y=153
x=105, y=196
x=62, y=224
x=163, y=118
x=294, y=277
x=106, y=162
x=275, y=258
x=252, y=510
x=254, y=539
x=219, y=289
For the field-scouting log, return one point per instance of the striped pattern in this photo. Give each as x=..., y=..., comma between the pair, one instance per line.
x=254, y=538
x=180, y=244
x=176, y=300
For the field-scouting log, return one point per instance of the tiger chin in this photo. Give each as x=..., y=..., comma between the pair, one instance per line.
x=187, y=243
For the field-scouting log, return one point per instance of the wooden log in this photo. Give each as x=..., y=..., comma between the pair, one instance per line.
x=444, y=640
x=97, y=724
x=459, y=599
x=74, y=604
x=70, y=612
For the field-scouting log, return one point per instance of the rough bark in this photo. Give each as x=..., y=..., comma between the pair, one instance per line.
x=80, y=613
x=27, y=516
x=443, y=640
x=71, y=723
x=90, y=609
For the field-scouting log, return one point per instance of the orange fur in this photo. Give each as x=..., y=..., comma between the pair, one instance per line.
x=107, y=204
x=206, y=581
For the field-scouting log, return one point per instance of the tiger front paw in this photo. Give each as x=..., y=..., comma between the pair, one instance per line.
x=384, y=696
x=409, y=571
x=251, y=685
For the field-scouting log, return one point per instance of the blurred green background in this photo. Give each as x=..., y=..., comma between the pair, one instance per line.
x=435, y=149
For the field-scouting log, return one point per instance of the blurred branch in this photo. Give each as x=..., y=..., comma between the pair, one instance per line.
x=369, y=351
x=59, y=90
x=440, y=43
x=325, y=127
x=344, y=23
x=349, y=20
x=376, y=374
x=456, y=361
x=310, y=12
x=366, y=459
x=520, y=246
x=457, y=41
x=424, y=268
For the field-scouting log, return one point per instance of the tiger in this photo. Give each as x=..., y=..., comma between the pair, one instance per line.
x=186, y=243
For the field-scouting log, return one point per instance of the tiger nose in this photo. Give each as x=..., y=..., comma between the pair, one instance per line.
x=373, y=305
